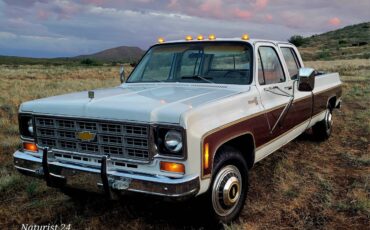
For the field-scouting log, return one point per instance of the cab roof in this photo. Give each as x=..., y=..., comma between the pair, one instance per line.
x=251, y=41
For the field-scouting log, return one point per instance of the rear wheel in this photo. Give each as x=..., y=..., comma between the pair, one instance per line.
x=323, y=129
x=229, y=185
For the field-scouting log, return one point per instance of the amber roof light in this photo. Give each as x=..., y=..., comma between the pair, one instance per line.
x=212, y=37
x=188, y=38
x=200, y=37
x=245, y=37
x=160, y=40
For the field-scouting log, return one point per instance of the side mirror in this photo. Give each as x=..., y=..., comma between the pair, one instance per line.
x=306, y=79
x=122, y=74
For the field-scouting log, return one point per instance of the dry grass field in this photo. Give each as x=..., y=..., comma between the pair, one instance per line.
x=305, y=185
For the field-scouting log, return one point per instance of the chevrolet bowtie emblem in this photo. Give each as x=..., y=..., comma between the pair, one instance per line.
x=85, y=136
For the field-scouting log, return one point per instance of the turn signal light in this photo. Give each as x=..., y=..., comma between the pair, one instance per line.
x=206, y=156
x=172, y=167
x=30, y=147
x=188, y=38
x=160, y=40
x=245, y=37
x=212, y=37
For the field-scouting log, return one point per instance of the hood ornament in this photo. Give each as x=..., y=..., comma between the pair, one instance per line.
x=91, y=94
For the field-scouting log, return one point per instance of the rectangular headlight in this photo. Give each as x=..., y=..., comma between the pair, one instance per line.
x=170, y=141
x=26, y=125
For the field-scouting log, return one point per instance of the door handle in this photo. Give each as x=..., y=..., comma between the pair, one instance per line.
x=288, y=87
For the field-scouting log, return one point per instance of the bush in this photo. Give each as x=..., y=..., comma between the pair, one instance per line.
x=324, y=55
x=89, y=62
x=297, y=40
x=342, y=42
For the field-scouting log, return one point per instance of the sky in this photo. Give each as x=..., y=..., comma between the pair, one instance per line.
x=61, y=28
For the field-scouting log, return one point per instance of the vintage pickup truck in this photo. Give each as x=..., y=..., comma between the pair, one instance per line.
x=192, y=119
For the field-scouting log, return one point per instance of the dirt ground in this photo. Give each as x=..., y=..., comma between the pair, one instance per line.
x=304, y=185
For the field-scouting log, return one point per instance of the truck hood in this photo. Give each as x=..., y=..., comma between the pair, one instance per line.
x=133, y=102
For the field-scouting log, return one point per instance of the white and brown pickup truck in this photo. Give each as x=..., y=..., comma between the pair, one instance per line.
x=192, y=118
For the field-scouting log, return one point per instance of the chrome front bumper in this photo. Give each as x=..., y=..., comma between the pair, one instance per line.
x=103, y=180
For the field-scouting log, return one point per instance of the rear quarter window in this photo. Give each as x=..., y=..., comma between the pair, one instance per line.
x=291, y=61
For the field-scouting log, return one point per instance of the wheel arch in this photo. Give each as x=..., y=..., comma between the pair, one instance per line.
x=245, y=143
x=332, y=102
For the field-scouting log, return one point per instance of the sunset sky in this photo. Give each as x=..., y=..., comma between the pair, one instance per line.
x=55, y=28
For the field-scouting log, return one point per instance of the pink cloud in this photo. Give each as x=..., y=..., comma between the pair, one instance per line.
x=173, y=4
x=213, y=8
x=65, y=10
x=268, y=17
x=334, y=21
x=261, y=4
x=242, y=14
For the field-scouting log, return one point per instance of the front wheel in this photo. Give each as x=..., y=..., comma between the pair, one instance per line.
x=229, y=185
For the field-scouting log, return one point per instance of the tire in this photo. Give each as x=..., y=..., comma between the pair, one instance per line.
x=229, y=186
x=322, y=130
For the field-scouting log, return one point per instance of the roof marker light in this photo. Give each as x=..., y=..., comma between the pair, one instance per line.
x=160, y=40
x=212, y=37
x=245, y=37
x=188, y=38
x=200, y=37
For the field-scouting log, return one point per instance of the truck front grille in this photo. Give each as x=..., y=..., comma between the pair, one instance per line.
x=120, y=140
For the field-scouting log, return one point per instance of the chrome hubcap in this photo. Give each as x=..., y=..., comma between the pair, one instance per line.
x=329, y=120
x=226, y=190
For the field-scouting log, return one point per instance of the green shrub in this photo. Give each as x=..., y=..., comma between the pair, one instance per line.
x=297, y=40
x=90, y=62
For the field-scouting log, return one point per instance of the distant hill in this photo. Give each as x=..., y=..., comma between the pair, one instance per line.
x=122, y=54
x=345, y=43
x=118, y=54
x=14, y=60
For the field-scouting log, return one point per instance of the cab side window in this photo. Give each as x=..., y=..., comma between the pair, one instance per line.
x=269, y=66
x=291, y=61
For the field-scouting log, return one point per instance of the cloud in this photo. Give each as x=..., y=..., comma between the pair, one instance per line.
x=43, y=14
x=64, y=28
x=269, y=17
x=261, y=4
x=243, y=14
x=334, y=21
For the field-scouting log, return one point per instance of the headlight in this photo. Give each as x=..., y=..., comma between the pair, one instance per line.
x=30, y=126
x=173, y=141
x=170, y=141
x=26, y=128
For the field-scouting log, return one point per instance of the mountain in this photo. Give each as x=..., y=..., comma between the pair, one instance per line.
x=121, y=54
x=346, y=43
x=118, y=54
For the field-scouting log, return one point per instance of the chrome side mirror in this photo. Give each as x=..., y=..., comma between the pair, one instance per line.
x=306, y=79
x=122, y=74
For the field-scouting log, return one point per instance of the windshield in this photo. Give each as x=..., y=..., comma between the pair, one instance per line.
x=203, y=62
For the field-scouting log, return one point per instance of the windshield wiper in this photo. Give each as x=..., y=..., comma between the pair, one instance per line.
x=198, y=77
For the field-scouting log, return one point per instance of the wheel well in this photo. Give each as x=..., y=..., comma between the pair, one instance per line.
x=245, y=144
x=332, y=101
